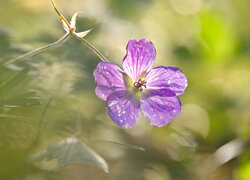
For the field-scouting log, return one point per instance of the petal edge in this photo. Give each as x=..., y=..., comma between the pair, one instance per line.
x=139, y=58
x=109, y=78
x=160, y=107
x=167, y=77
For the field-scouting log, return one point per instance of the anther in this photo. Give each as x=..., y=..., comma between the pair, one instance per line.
x=140, y=84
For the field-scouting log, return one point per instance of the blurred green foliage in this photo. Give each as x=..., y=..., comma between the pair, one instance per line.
x=50, y=97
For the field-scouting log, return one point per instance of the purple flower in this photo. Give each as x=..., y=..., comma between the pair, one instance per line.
x=154, y=91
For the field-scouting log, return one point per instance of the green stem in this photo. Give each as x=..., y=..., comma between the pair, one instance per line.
x=59, y=14
x=39, y=50
x=96, y=51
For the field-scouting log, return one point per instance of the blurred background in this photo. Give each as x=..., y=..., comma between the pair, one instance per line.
x=49, y=110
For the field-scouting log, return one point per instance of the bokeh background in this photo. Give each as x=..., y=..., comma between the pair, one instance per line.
x=50, y=97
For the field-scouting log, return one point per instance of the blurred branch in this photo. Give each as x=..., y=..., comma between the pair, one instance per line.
x=39, y=50
x=221, y=156
x=229, y=151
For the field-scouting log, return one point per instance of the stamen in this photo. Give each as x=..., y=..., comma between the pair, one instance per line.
x=140, y=84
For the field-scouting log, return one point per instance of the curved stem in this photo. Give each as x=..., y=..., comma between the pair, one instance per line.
x=96, y=51
x=59, y=14
x=39, y=50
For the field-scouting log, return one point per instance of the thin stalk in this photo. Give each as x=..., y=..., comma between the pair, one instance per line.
x=123, y=145
x=18, y=118
x=96, y=51
x=39, y=50
x=41, y=121
x=59, y=14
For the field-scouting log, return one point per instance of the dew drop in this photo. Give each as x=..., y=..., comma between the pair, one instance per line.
x=112, y=103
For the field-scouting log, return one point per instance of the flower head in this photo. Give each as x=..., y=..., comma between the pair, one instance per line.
x=139, y=86
x=69, y=27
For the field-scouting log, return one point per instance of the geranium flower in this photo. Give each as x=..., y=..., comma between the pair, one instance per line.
x=138, y=86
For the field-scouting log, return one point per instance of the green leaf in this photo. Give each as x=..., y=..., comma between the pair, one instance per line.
x=244, y=171
x=219, y=38
x=68, y=150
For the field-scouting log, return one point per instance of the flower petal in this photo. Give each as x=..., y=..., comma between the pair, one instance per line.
x=160, y=106
x=123, y=108
x=167, y=77
x=109, y=78
x=139, y=59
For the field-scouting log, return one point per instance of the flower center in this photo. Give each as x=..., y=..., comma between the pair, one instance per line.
x=140, y=84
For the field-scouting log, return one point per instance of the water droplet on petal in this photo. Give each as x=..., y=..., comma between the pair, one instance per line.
x=112, y=103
